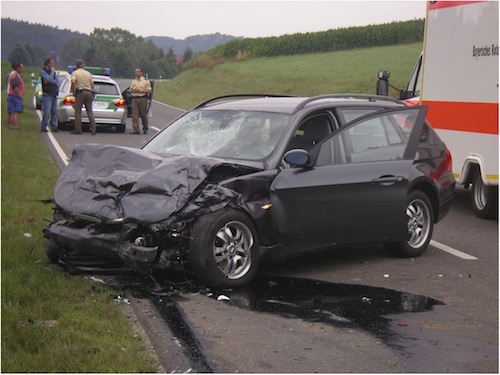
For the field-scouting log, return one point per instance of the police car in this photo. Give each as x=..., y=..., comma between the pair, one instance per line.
x=109, y=106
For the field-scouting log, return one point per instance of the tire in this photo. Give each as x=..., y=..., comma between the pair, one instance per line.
x=120, y=128
x=53, y=251
x=420, y=227
x=224, y=250
x=484, y=198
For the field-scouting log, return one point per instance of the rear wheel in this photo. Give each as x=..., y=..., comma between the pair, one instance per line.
x=420, y=227
x=484, y=198
x=224, y=249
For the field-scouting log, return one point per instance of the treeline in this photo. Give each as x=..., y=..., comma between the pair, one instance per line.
x=393, y=33
x=115, y=48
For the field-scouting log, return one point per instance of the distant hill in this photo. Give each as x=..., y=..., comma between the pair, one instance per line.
x=198, y=43
x=52, y=39
x=47, y=38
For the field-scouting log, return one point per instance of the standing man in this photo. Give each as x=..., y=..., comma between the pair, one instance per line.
x=82, y=85
x=140, y=88
x=50, y=82
x=15, y=89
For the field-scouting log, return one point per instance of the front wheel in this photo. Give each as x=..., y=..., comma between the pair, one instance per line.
x=224, y=249
x=420, y=227
x=484, y=198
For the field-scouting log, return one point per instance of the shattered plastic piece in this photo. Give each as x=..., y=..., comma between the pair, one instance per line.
x=28, y=235
x=222, y=297
x=386, y=275
x=402, y=324
x=366, y=300
x=97, y=280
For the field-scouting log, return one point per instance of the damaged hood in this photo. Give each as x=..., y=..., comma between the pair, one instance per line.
x=112, y=182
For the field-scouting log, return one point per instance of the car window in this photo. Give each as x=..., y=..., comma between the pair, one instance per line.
x=311, y=132
x=64, y=86
x=379, y=138
x=244, y=135
x=104, y=88
x=351, y=114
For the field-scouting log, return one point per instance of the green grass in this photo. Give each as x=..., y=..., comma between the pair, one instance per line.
x=51, y=322
x=353, y=71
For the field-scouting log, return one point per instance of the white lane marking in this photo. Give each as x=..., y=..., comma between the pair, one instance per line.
x=452, y=251
x=54, y=142
x=58, y=148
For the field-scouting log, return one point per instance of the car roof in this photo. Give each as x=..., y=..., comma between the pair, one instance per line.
x=293, y=104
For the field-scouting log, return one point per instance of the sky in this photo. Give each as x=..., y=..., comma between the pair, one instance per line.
x=180, y=19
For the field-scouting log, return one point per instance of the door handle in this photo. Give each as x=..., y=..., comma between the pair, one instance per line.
x=388, y=180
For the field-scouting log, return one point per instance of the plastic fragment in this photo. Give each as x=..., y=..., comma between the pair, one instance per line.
x=27, y=235
x=222, y=297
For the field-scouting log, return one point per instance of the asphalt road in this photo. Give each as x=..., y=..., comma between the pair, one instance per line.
x=370, y=313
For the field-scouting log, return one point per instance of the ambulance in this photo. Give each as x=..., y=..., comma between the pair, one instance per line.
x=457, y=77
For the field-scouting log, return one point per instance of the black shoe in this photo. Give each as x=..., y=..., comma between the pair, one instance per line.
x=135, y=133
x=55, y=130
x=44, y=131
x=93, y=133
x=75, y=132
x=146, y=131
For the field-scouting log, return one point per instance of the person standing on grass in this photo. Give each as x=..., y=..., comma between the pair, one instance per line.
x=82, y=85
x=15, y=89
x=50, y=82
x=140, y=88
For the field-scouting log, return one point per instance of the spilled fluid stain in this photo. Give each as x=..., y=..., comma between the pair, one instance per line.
x=352, y=306
x=342, y=305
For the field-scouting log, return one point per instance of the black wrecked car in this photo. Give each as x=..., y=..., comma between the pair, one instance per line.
x=244, y=179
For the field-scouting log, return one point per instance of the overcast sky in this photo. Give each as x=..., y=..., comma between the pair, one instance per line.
x=180, y=19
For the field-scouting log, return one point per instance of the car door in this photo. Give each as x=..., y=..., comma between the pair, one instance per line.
x=356, y=191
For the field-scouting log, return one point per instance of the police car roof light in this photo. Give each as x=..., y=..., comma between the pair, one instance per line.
x=93, y=70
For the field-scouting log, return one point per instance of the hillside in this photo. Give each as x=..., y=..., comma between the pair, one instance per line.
x=352, y=71
x=51, y=40
x=198, y=43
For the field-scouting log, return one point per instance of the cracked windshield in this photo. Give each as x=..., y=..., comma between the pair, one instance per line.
x=228, y=134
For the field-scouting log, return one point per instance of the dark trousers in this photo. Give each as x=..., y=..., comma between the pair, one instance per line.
x=84, y=98
x=139, y=109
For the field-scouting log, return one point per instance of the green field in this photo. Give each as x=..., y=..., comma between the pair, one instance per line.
x=353, y=71
x=52, y=322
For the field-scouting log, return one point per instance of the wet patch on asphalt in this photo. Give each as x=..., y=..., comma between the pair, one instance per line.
x=351, y=306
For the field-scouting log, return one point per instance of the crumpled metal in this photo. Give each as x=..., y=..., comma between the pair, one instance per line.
x=110, y=182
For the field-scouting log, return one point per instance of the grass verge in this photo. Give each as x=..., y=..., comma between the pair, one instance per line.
x=353, y=71
x=51, y=322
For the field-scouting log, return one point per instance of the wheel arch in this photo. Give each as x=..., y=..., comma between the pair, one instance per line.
x=427, y=188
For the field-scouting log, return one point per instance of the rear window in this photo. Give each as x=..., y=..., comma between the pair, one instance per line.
x=104, y=88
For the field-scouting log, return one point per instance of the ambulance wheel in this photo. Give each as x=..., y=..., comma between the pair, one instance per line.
x=484, y=198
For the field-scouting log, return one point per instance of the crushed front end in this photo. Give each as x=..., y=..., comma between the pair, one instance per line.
x=134, y=207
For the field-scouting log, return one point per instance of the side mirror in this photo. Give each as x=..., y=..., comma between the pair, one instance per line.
x=383, y=83
x=298, y=158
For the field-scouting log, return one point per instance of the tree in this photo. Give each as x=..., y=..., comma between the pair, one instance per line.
x=20, y=53
x=122, y=63
x=188, y=54
x=73, y=49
